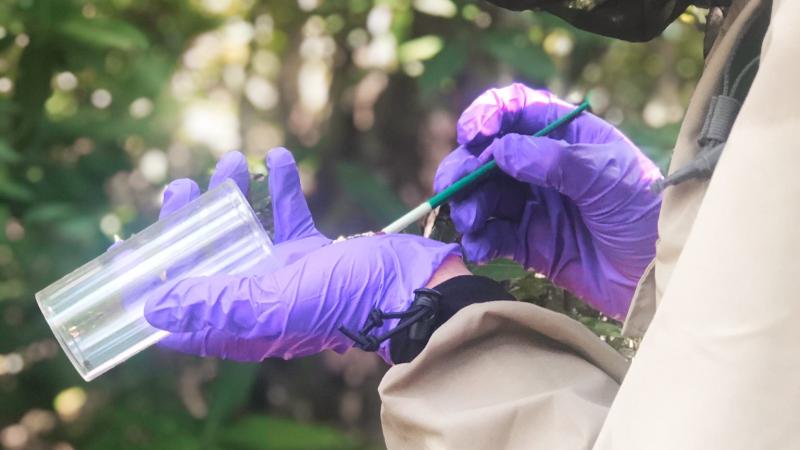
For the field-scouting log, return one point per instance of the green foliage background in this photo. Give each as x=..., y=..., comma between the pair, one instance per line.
x=103, y=102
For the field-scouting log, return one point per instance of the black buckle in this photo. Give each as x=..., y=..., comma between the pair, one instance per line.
x=420, y=317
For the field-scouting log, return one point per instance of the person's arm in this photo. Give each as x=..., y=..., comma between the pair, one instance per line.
x=718, y=367
x=502, y=375
x=575, y=206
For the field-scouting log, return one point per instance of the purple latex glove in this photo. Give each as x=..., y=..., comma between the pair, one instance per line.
x=295, y=310
x=575, y=205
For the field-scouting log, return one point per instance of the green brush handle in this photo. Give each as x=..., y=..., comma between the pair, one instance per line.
x=427, y=206
x=473, y=177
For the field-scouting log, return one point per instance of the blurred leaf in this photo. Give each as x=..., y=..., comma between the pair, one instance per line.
x=33, y=87
x=82, y=228
x=4, y=216
x=441, y=8
x=48, y=212
x=7, y=154
x=153, y=72
x=14, y=190
x=6, y=42
x=500, y=269
x=530, y=61
x=602, y=327
x=445, y=65
x=103, y=33
x=420, y=49
x=369, y=192
x=531, y=288
x=229, y=392
x=656, y=143
x=261, y=201
x=272, y=433
x=131, y=425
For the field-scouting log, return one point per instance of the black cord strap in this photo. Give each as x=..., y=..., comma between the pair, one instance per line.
x=419, y=319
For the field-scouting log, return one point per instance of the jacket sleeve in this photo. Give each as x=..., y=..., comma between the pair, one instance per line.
x=718, y=367
x=502, y=375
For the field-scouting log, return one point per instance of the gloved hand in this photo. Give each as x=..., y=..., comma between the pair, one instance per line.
x=295, y=310
x=575, y=205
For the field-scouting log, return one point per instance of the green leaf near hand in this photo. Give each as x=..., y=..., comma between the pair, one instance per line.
x=369, y=191
x=529, y=60
x=7, y=154
x=500, y=270
x=229, y=393
x=49, y=212
x=272, y=433
x=420, y=49
x=444, y=66
x=14, y=190
x=103, y=33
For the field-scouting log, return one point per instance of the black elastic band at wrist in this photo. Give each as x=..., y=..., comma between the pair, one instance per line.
x=456, y=293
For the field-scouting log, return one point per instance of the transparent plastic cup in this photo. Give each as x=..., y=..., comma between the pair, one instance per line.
x=97, y=311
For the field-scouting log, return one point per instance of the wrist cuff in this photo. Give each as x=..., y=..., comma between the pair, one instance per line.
x=456, y=293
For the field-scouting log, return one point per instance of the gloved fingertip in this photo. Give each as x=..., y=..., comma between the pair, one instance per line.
x=232, y=165
x=479, y=123
x=495, y=112
x=455, y=166
x=177, y=194
x=477, y=249
x=279, y=157
x=291, y=217
x=497, y=239
x=504, y=150
x=464, y=214
x=440, y=181
x=161, y=317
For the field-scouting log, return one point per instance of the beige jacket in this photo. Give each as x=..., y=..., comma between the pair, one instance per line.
x=719, y=366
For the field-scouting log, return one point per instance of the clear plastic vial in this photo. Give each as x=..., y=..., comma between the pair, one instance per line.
x=97, y=311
